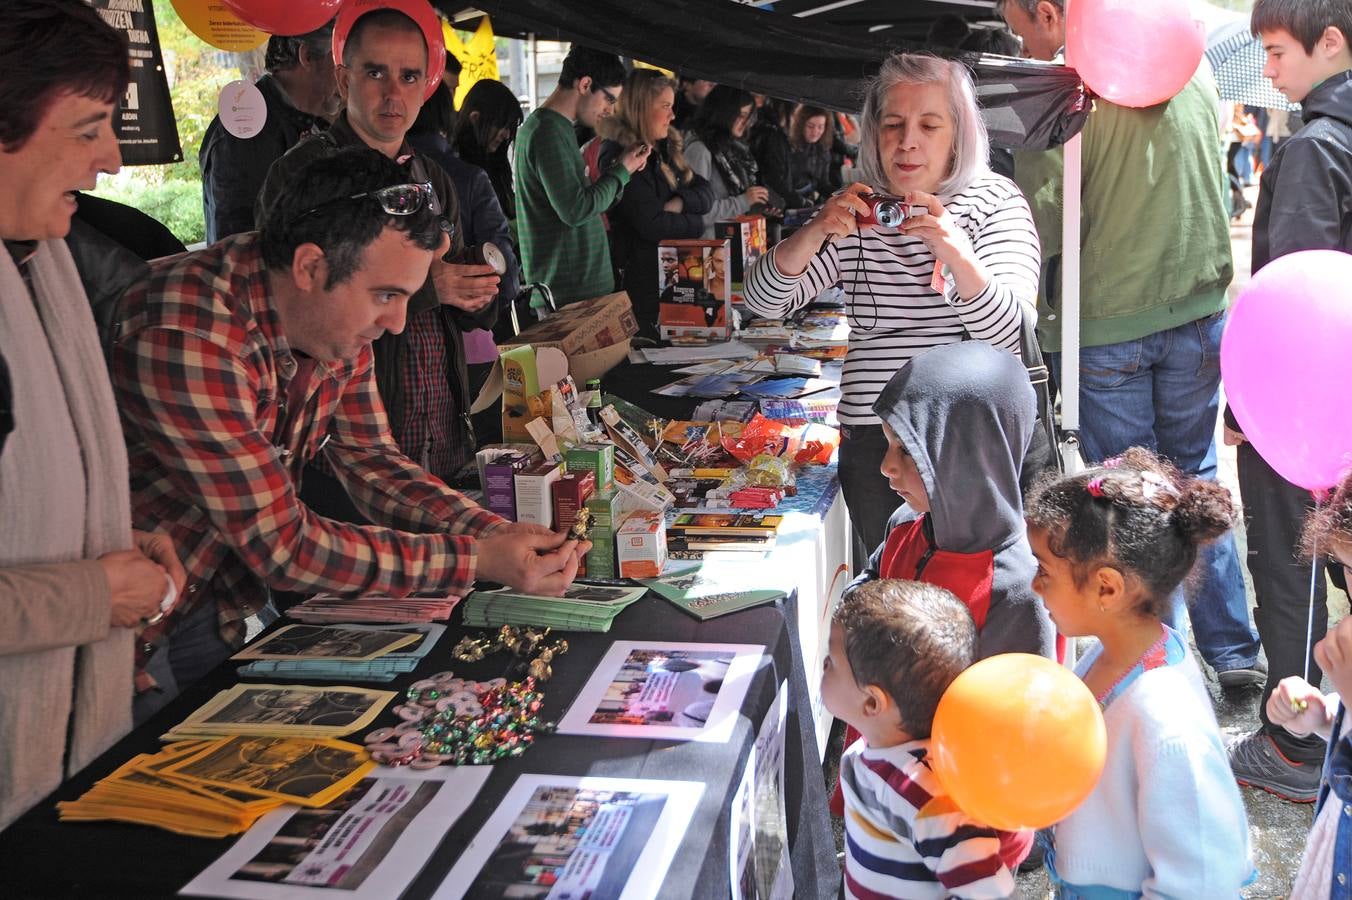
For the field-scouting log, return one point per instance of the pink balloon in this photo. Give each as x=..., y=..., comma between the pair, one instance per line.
x=1133, y=52
x=290, y=17
x=1283, y=364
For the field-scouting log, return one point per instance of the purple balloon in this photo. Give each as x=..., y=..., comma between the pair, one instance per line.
x=1283, y=362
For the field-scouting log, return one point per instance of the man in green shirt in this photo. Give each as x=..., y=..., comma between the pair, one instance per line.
x=558, y=208
x=1155, y=264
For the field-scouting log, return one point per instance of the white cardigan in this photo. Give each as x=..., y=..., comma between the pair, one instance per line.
x=1166, y=819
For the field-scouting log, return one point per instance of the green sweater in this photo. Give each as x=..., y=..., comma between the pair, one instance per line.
x=1154, y=232
x=558, y=210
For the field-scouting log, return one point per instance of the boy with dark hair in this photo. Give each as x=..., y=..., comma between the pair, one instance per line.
x=895, y=648
x=1304, y=203
x=558, y=208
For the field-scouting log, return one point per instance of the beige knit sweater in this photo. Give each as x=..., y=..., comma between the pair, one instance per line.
x=65, y=675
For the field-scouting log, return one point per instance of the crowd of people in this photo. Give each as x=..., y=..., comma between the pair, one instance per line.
x=280, y=412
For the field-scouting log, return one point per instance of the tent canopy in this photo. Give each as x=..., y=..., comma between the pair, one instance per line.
x=1031, y=105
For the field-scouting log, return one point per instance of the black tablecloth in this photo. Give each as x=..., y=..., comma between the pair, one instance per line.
x=42, y=857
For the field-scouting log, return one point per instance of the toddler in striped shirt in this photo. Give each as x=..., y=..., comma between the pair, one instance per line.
x=895, y=648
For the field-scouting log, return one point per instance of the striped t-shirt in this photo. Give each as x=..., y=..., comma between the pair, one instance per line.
x=905, y=838
x=894, y=312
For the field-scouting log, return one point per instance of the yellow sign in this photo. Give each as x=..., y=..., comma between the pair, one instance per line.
x=478, y=57
x=639, y=64
x=217, y=24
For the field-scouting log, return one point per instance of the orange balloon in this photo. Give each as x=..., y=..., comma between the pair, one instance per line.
x=1018, y=741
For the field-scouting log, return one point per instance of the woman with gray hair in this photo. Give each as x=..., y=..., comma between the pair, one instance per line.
x=963, y=262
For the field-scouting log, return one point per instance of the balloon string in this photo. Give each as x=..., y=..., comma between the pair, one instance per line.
x=1309, y=621
x=1314, y=571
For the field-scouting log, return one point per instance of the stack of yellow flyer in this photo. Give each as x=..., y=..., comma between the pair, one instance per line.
x=283, y=710
x=221, y=787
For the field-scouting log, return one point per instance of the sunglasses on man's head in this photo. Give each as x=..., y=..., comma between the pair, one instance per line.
x=396, y=200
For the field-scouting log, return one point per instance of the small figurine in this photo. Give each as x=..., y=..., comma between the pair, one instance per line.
x=581, y=530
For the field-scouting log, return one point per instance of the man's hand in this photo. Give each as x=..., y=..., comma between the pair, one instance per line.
x=635, y=158
x=675, y=205
x=1232, y=438
x=467, y=288
x=529, y=561
x=137, y=585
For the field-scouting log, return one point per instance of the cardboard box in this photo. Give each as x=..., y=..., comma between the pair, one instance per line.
x=570, y=494
x=520, y=381
x=641, y=545
x=746, y=244
x=534, y=498
x=695, y=299
x=599, y=459
x=605, y=509
x=500, y=482
x=489, y=452
x=594, y=334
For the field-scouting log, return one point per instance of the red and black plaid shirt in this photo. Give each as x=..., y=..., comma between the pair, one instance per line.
x=427, y=432
x=203, y=377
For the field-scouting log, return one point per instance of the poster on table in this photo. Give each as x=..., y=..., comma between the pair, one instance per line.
x=662, y=690
x=144, y=122
x=758, y=845
x=557, y=836
x=368, y=844
x=741, y=830
x=774, y=872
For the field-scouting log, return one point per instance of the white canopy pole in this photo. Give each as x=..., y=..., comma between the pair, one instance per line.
x=1070, y=308
x=533, y=71
x=1070, y=297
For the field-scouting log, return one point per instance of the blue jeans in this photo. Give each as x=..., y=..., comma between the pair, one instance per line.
x=191, y=650
x=1163, y=392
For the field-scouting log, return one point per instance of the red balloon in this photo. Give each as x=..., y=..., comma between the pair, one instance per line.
x=288, y=18
x=419, y=11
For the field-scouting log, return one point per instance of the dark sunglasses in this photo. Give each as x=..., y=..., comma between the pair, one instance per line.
x=396, y=200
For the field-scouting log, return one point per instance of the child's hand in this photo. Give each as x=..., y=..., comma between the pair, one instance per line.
x=1334, y=656
x=1297, y=706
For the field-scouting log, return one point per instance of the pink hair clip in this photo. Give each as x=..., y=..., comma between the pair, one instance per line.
x=1095, y=486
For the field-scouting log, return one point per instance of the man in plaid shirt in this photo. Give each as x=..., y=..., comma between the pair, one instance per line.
x=238, y=364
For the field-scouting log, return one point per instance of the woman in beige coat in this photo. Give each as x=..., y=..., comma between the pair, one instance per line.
x=74, y=580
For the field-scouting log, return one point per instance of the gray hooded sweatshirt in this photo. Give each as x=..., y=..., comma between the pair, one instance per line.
x=965, y=413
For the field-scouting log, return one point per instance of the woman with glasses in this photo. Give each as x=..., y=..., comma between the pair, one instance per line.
x=962, y=264
x=663, y=200
x=720, y=153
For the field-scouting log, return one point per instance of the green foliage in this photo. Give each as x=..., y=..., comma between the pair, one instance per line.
x=176, y=202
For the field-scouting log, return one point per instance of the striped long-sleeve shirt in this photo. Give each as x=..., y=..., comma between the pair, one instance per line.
x=905, y=838
x=894, y=312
